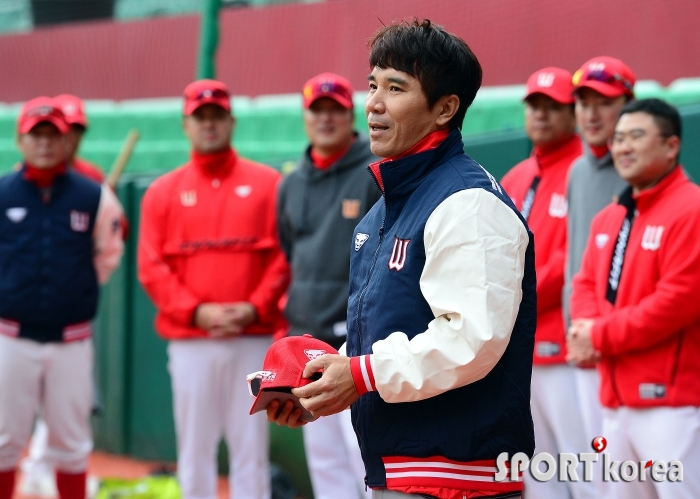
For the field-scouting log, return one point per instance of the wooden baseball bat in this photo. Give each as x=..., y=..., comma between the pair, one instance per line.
x=122, y=158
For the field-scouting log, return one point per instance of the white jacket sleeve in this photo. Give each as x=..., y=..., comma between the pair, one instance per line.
x=474, y=263
x=107, y=234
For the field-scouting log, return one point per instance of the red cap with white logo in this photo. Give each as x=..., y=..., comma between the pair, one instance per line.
x=73, y=109
x=282, y=370
x=553, y=82
x=41, y=110
x=201, y=92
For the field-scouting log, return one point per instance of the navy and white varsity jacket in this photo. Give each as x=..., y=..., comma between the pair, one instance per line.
x=53, y=255
x=441, y=319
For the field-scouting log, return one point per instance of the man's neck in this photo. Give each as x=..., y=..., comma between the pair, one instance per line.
x=553, y=145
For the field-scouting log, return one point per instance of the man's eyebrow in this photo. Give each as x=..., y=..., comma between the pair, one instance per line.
x=631, y=130
x=396, y=79
x=390, y=79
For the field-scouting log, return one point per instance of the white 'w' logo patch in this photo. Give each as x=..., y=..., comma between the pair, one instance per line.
x=545, y=79
x=398, y=254
x=651, y=240
x=558, y=207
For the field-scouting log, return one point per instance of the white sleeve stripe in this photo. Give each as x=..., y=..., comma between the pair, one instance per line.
x=365, y=374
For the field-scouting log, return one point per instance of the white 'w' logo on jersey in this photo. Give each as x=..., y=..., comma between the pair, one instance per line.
x=651, y=240
x=398, y=254
x=558, y=207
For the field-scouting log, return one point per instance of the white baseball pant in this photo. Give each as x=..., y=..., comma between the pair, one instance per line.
x=558, y=428
x=658, y=434
x=211, y=400
x=334, y=460
x=55, y=378
x=588, y=389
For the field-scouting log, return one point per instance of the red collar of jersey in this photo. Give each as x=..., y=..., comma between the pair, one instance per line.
x=551, y=157
x=43, y=177
x=430, y=141
x=215, y=164
x=644, y=199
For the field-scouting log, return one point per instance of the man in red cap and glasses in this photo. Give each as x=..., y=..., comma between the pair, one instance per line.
x=60, y=237
x=320, y=203
x=537, y=186
x=602, y=87
x=209, y=258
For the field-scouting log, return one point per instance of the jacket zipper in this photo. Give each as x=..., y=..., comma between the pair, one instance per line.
x=369, y=276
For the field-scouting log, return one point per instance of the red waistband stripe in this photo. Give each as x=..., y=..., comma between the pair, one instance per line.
x=441, y=472
x=9, y=328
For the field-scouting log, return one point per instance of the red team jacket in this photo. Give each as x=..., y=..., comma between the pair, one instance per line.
x=650, y=338
x=208, y=237
x=547, y=220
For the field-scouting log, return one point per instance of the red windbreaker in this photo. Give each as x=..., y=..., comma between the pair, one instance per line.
x=208, y=233
x=650, y=338
x=547, y=221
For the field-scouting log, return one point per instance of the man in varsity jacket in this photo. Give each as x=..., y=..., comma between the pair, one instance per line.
x=60, y=237
x=634, y=306
x=441, y=314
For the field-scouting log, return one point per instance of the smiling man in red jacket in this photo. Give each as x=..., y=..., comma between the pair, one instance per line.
x=635, y=305
x=209, y=258
x=537, y=186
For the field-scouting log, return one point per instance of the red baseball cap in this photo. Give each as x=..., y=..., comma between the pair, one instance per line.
x=553, y=82
x=201, y=92
x=328, y=85
x=41, y=110
x=282, y=370
x=73, y=109
x=606, y=75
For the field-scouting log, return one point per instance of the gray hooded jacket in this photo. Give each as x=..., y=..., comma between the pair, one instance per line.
x=592, y=185
x=317, y=214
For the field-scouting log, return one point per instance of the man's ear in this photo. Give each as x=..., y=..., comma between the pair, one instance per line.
x=447, y=106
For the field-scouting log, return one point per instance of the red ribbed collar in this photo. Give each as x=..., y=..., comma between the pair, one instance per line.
x=548, y=158
x=430, y=141
x=216, y=164
x=599, y=151
x=325, y=162
x=43, y=177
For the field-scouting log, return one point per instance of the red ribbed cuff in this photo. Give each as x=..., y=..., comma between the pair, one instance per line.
x=362, y=374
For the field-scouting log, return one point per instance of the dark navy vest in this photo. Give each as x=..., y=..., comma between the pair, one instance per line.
x=477, y=421
x=47, y=276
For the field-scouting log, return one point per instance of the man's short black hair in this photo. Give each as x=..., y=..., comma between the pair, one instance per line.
x=442, y=62
x=666, y=116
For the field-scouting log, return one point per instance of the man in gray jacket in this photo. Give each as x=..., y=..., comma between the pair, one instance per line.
x=602, y=87
x=319, y=205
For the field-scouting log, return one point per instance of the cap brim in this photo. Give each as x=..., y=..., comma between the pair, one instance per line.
x=602, y=88
x=192, y=106
x=561, y=98
x=268, y=395
x=27, y=124
x=77, y=120
x=347, y=104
